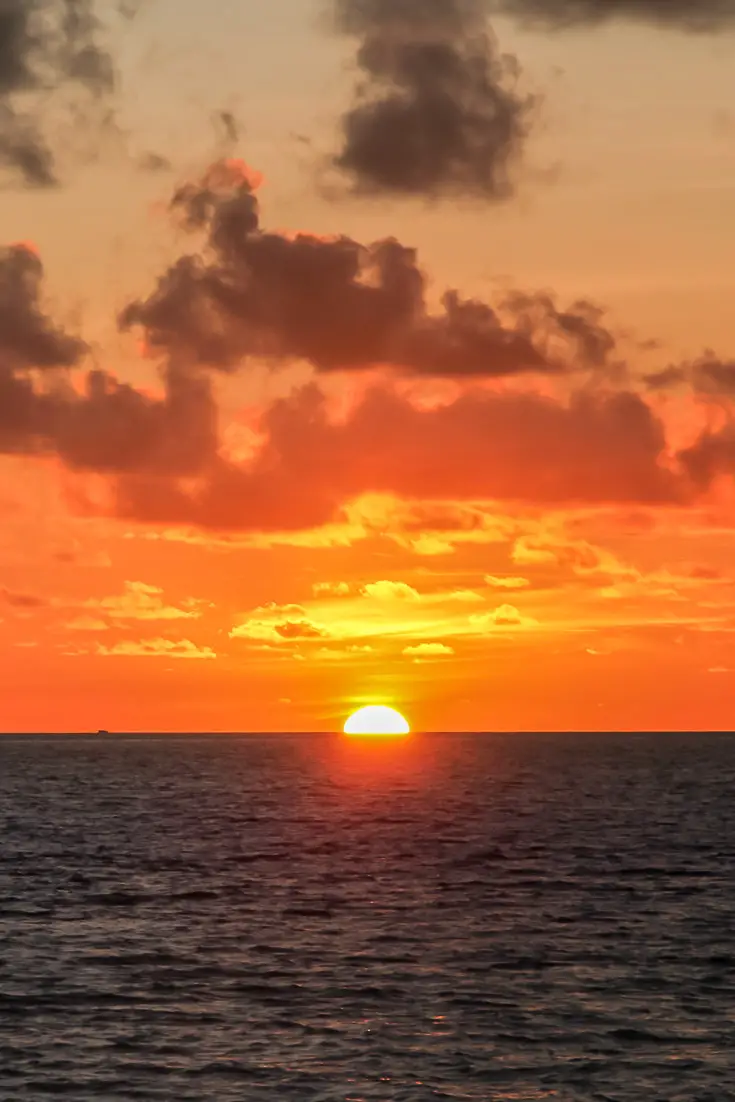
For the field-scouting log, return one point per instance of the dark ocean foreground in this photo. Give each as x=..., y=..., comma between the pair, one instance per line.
x=228, y=919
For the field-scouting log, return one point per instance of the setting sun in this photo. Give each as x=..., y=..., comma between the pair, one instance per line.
x=377, y=720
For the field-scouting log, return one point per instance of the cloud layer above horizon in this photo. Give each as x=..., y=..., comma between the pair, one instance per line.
x=536, y=403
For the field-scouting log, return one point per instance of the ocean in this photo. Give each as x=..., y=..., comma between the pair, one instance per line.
x=460, y=917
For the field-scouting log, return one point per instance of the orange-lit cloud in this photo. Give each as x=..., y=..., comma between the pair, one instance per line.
x=276, y=624
x=144, y=602
x=87, y=623
x=156, y=648
x=505, y=616
x=508, y=582
x=424, y=651
x=331, y=589
x=390, y=591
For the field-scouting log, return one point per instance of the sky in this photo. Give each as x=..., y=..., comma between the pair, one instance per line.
x=367, y=352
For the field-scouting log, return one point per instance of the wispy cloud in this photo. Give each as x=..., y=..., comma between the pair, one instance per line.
x=139, y=601
x=156, y=648
x=426, y=651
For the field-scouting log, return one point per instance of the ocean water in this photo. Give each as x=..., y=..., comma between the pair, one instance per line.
x=227, y=919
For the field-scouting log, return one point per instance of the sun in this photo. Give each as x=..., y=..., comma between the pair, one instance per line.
x=377, y=720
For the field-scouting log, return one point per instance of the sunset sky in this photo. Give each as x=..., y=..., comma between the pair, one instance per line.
x=362, y=353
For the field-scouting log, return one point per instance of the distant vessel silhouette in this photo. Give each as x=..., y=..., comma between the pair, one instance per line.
x=100, y=732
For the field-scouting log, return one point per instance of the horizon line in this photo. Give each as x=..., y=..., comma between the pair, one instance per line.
x=478, y=732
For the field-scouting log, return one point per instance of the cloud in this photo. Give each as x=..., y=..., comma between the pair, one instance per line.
x=25, y=601
x=156, y=648
x=346, y=654
x=390, y=591
x=666, y=379
x=592, y=443
x=52, y=60
x=338, y=304
x=143, y=602
x=581, y=328
x=708, y=375
x=87, y=623
x=485, y=446
x=107, y=426
x=686, y=15
x=711, y=456
x=28, y=336
x=331, y=589
x=430, y=527
x=502, y=617
x=280, y=624
x=714, y=376
x=461, y=596
x=424, y=651
x=438, y=109
x=507, y=582
x=113, y=427
x=582, y=558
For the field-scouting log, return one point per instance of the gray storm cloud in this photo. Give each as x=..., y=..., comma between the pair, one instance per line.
x=339, y=304
x=437, y=110
x=703, y=16
x=53, y=64
x=103, y=425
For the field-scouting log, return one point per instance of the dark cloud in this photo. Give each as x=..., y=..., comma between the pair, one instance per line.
x=154, y=162
x=708, y=375
x=666, y=379
x=229, y=128
x=115, y=428
x=484, y=446
x=299, y=629
x=688, y=15
x=29, y=339
x=581, y=325
x=438, y=110
x=28, y=336
x=23, y=601
x=339, y=304
x=110, y=426
x=710, y=457
x=714, y=376
x=267, y=291
x=51, y=54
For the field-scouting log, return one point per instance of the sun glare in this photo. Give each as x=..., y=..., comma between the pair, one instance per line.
x=377, y=720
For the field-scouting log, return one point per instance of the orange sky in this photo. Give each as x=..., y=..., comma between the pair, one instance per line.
x=258, y=467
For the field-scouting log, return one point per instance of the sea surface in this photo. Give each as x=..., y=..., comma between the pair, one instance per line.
x=461, y=917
